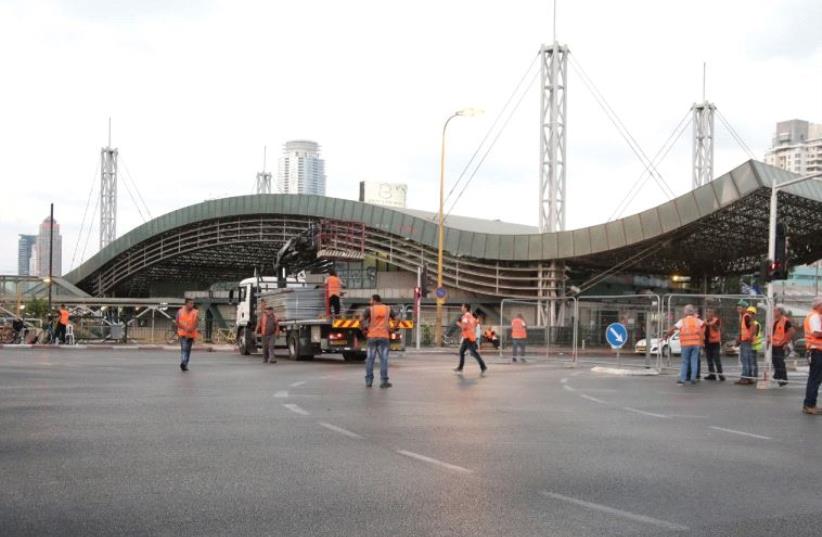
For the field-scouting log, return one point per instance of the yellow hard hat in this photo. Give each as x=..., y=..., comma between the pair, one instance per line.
x=751, y=309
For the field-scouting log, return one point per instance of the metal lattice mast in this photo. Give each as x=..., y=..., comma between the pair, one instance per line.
x=552, y=141
x=108, y=192
x=264, y=178
x=703, y=142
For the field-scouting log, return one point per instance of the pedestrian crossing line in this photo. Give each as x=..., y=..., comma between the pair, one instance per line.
x=298, y=383
x=644, y=412
x=594, y=399
x=340, y=430
x=297, y=409
x=282, y=394
x=741, y=433
x=616, y=512
x=435, y=462
x=568, y=388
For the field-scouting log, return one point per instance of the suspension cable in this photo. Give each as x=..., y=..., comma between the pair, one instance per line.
x=735, y=135
x=136, y=189
x=90, y=227
x=85, y=212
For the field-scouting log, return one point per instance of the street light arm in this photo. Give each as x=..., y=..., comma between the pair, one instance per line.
x=791, y=182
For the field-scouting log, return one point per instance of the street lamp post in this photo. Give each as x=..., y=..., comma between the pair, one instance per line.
x=466, y=112
x=775, y=188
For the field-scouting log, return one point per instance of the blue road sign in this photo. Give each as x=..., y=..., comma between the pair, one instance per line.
x=440, y=292
x=617, y=335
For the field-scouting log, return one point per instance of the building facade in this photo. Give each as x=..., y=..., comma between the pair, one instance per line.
x=301, y=170
x=25, y=245
x=796, y=147
x=41, y=253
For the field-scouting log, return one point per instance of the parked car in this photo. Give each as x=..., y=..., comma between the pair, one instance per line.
x=669, y=346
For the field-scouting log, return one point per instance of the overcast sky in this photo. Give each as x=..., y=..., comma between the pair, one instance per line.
x=197, y=88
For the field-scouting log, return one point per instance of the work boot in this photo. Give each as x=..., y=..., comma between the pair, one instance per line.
x=710, y=377
x=811, y=410
x=368, y=384
x=484, y=372
x=386, y=384
x=721, y=377
x=458, y=371
x=741, y=382
x=515, y=359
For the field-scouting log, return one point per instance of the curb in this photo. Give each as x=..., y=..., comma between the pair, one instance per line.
x=119, y=348
x=625, y=372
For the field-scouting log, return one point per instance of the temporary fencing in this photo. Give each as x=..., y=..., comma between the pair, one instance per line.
x=555, y=340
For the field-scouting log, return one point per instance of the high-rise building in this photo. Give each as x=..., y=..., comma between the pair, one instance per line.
x=42, y=247
x=24, y=246
x=796, y=147
x=301, y=170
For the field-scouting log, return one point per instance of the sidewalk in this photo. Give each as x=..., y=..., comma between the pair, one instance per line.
x=118, y=347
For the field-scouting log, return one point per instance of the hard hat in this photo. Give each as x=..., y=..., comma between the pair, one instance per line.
x=743, y=303
x=751, y=309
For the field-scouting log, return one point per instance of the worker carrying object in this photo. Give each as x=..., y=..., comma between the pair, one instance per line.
x=333, y=292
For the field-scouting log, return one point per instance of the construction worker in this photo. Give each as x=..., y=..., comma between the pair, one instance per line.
x=813, y=340
x=519, y=336
x=468, y=325
x=490, y=335
x=333, y=292
x=783, y=332
x=713, y=345
x=745, y=341
x=690, y=329
x=187, y=321
x=62, y=324
x=269, y=328
x=758, y=342
x=376, y=322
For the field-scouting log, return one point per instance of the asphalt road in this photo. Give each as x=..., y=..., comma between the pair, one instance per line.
x=123, y=443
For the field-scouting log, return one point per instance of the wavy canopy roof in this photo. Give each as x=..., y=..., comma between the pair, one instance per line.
x=719, y=228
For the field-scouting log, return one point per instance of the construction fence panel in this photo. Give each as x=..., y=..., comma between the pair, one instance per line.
x=546, y=340
x=642, y=316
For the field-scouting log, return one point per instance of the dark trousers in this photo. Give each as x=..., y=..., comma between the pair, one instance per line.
x=185, y=349
x=712, y=353
x=470, y=346
x=778, y=356
x=334, y=304
x=60, y=334
x=814, y=378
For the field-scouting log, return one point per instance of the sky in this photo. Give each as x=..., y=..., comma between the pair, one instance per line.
x=197, y=88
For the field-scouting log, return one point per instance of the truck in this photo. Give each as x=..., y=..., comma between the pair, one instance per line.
x=306, y=328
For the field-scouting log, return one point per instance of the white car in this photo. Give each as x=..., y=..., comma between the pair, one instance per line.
x=669, y=346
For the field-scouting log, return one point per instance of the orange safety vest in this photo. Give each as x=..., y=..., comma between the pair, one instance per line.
x=187, y=322
x=690, y=333
x=811, y=341
x=378, y=323
x=518, y=329
x=746, y=333
x=64, y=317
x=714, y=334
x=780, y=336
x=469, y=327
x=333, y=285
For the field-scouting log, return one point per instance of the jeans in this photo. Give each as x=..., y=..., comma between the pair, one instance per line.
x=268, y=348
x=518, y=345
x=814, y=378
x=712, y=352
x=778, y=356
x=470, y=346
x=690, y=361
x=748, y=357
x=377, y=346
x=185, y=349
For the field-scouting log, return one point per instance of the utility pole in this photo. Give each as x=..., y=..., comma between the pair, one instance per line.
x=108, y=192
x=264, y=177
x=703, y=139
x=51, y=252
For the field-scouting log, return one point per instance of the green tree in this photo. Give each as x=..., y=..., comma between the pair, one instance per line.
x=37, y=308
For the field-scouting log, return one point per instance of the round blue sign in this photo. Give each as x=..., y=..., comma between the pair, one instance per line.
x=440, y=292
x=616, y=335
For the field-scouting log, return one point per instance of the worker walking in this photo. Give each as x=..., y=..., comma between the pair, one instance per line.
x=333, y=292
x=813, y=339
x=62, y=324
x=377, y=322
x=269, y=328
x=519, y=336
x=187, y=321
x=745, y=341
x=713, y=345
x=783, y=332
x=468, y=325
x=691, y=330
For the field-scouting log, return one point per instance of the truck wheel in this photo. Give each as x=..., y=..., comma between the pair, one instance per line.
x=246, y=341
x=354, y=356
x=296, y=350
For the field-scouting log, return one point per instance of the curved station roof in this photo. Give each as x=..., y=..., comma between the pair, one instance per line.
x=717, y=229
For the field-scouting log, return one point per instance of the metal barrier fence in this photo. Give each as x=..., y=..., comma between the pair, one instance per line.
x=641, y=314
x=558, y=340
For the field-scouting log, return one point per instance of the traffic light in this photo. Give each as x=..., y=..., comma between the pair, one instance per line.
x=779, y=268
x=424, y=281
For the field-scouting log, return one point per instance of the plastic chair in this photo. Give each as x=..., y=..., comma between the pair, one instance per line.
x=70, y=334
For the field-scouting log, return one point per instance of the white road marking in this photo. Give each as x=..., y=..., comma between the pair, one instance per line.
x=282, y=394
x=594, y=399
x=616, y=512
x=644, y=413
x=297, y=409
x=569, y=388
x=563, y=380
x=434, y=461
x=340, y=430
x=742, y=433
x=298, y=383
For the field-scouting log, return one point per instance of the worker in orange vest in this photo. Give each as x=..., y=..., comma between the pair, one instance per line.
x=747, y=354
x=783, y=332
x=490, y=336
x=268, y=327
x=691, y=329
x=519, y=336
x=377, y=324
x=813, y=341
x=333, y=291
x=62, y=324
x=468, y=325
x=713, y=345
x=187, y=321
